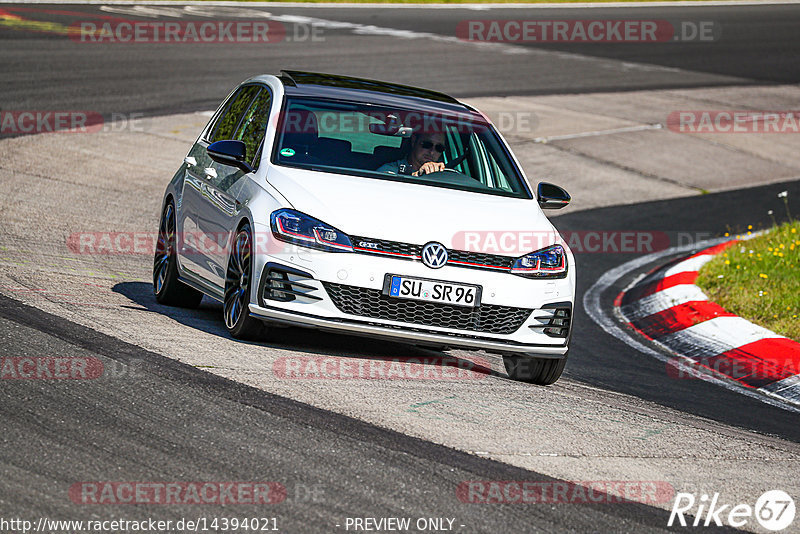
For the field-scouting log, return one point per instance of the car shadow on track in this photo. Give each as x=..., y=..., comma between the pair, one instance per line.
x=208, y=318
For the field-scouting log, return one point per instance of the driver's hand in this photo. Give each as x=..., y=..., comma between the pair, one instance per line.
x=429, y=167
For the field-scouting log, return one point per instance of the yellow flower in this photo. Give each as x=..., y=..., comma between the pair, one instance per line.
x=769, y=248
x=780, y=254
x=749, y=226
x=727, y=262
x=762, y=275
x=727, y=234
x=794, y=230
x=782, y=245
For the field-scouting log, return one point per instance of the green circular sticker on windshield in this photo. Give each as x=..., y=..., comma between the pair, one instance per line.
x=288, y=152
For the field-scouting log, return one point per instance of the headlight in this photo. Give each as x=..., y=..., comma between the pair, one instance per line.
x=295, y=227
x=550, y=262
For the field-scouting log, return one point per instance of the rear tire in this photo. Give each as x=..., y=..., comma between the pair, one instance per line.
x=166, y=286
x=238, y=277
x=541, y=371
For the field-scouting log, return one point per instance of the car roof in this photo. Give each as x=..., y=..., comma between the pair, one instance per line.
x=314, y=84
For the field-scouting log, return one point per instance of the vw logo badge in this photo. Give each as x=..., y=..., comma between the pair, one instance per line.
x=434, y=255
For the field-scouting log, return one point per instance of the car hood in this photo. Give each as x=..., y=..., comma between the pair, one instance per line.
x=413, y=213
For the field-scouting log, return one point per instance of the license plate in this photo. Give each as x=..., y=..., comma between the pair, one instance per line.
x=433, y=291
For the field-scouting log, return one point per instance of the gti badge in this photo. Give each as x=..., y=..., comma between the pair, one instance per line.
x=434, y=255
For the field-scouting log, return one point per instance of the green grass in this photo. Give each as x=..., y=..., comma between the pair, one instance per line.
x=759, y=279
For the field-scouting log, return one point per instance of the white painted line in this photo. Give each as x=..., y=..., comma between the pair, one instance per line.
x=714, y=337
x=691, y=265
x=685, y=266
x=368, y=29
x=732, y=330
x=692, y=347
x=177, y=11
x=662, y=300
x=791, y=383
x=475, y=7
x=595, y=133
x=596, y=310
x=791, y=393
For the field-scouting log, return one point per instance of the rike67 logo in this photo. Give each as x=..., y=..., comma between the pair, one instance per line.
x=774, y=511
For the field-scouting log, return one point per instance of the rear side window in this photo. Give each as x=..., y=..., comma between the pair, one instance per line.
x=254, y=126
x=231, y=117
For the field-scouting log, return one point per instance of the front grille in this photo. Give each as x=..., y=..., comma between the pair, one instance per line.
x=473, y=259
x=383, y=246
x=373, y=303
x=457, y=258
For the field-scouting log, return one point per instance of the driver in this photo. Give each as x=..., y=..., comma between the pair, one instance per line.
x=423, y=158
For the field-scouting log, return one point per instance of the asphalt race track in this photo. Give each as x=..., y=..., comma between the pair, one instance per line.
x=181, y=401
x=759, y=47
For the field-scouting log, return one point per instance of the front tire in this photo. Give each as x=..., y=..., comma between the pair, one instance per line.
x=238, y=278
x=166, y=286
x=541, y=371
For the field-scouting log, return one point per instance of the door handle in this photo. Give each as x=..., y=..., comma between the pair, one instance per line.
x=210, y=172
x=190, y=161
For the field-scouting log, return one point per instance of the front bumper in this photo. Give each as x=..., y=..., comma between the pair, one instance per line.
x=408, y=334
x=309, y=303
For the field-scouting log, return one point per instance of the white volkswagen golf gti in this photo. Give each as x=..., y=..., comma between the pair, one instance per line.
x=367, y=208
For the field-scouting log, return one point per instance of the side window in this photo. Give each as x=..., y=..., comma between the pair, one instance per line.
x=225, y=107
x=254, y=126
x=229, y=120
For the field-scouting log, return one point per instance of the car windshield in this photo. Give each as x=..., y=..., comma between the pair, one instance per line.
x=379, y=143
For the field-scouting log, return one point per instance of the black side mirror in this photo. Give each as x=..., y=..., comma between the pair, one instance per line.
x=233, y=153
x=551, y=197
